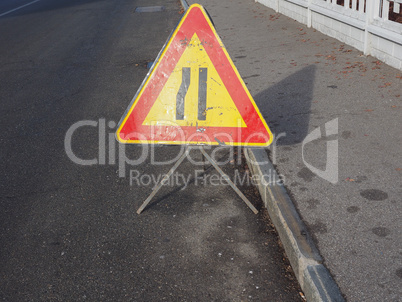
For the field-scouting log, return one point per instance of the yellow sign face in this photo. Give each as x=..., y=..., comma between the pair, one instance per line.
x=220, y=110
x=194, y=94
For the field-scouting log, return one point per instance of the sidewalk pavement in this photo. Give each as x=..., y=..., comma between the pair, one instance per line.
x=301, y=80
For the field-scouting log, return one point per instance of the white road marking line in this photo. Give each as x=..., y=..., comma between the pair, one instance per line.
x=19, y=7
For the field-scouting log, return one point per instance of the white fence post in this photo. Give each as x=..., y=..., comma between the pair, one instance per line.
x=396, y=7
x=369, y=19
x=385, y=10
x=361, y=6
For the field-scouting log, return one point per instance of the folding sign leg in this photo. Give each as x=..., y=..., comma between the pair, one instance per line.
x=164, y=179
x=203, y=163
x=236, y=189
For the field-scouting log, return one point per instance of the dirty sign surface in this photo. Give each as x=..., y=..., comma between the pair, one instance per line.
x=193, y=94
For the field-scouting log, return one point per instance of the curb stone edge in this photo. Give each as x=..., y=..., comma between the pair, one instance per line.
x=313, y=277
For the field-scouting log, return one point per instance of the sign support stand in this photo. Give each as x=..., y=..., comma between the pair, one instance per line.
x=164, y=179
x=212, y=162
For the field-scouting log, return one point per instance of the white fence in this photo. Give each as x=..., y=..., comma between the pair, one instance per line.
x=372, y=26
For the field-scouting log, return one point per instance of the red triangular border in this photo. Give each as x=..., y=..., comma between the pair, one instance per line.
x=131, y=129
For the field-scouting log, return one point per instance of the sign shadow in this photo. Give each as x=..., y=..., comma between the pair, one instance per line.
x=286, y=106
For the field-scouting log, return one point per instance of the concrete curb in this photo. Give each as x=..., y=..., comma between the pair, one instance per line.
x=314, y=279
x=184, y=4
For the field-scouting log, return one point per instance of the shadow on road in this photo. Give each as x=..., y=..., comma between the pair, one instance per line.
x=286, y=106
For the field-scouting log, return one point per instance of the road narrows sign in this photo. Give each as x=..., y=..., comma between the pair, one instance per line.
x=194, y=94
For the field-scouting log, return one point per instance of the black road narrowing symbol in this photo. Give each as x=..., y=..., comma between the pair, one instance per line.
x=202, y=93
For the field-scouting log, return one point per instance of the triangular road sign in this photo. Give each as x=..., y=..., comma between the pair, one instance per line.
x=194, y=94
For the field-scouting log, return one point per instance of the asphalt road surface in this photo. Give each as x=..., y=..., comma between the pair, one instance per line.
x=68, y=231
